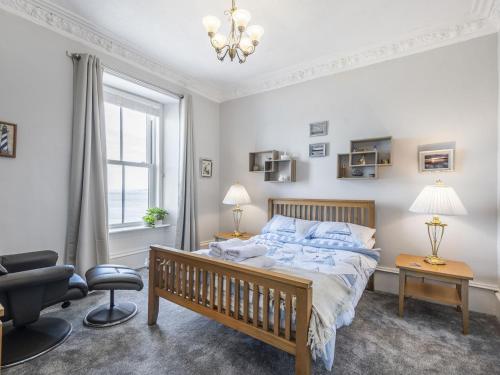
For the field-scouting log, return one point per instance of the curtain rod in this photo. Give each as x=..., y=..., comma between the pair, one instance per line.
x=116, y=73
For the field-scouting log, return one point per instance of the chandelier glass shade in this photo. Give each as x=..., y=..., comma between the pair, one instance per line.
x=241, y=40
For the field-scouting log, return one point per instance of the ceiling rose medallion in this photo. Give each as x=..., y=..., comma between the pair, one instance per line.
x=241, y=41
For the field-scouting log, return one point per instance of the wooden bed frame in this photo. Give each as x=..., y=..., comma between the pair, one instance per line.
x=172, y=275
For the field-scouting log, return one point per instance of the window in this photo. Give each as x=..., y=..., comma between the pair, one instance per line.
x=132, y=134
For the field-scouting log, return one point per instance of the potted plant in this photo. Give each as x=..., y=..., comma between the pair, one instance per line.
x=154, y=216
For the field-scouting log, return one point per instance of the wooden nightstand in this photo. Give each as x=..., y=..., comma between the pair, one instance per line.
x=224, y=236
x=457, y=273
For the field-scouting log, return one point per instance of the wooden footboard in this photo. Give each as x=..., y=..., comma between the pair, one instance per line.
x=209, y=286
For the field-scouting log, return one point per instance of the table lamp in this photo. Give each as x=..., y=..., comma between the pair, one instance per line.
x=236, y=195
x=437, y=199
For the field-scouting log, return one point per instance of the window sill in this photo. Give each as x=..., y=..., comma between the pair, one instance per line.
x=137, y=228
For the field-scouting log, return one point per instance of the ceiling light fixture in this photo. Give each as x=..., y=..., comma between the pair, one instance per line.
x=241, y=40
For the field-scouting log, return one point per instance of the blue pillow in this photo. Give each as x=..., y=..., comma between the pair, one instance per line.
x=279, y=224
x=326, y=229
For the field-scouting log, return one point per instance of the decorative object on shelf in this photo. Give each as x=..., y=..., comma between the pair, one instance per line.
x=8, y=135
x=318, y=129
x=362, y=160
x=154, y=216
x=236, y=195
x=357, y=172
x=318, y=150
x=436, y=160
x=206, y=166
x=284, y=156
x=256, y=168
x=435, y=200
x=241, y=41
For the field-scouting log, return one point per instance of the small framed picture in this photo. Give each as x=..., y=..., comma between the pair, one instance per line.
x=206, y=167
x=8, y=134
x=436, y=160
x=318, y=129
x=318, y=150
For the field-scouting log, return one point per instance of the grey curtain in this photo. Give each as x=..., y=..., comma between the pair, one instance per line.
x=187, y=231
x=87, y=227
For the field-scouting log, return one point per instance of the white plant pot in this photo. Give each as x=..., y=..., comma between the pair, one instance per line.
x=158, y=223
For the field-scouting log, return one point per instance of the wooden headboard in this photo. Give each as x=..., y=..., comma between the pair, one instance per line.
x=349, y=211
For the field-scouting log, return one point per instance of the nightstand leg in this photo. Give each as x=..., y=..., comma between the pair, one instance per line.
x=465, y=305
x=459, y=291
x=402, y=282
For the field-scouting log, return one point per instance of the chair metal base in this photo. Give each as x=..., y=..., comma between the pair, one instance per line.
x=25, y=343
x=110, y=315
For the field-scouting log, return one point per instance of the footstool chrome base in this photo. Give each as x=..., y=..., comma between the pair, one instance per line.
x=109, y=315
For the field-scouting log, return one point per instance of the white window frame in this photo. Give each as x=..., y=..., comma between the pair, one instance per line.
x=154, y=152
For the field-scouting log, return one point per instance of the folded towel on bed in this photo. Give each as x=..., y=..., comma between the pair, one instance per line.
x=259, y=262
x=244, y=251
x=218, y=249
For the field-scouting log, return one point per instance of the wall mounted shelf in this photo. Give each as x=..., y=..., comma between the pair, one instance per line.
x=274, y=168
x=282, y=171
x=364, y=159
x=381, y=147
x=257, y=160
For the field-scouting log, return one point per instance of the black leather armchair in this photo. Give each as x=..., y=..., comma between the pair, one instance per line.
x=30, y=282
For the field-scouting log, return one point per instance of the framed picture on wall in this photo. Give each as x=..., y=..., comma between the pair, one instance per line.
x=206, y=166
x=437, y=160
x=8, y=135
x=318, y=150
x=318, y=129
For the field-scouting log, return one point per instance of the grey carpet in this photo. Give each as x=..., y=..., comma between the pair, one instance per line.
x=426, y=341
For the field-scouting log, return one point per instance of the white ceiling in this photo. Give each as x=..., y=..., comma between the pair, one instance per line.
x=296, y=31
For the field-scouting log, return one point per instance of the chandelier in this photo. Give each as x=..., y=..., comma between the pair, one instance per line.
x=241, y=40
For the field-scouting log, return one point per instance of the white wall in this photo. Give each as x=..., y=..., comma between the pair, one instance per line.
x=36, y=93
x=448, y=94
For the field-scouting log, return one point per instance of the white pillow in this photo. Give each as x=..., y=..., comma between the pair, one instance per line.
x=362, y=233
x=370, y=243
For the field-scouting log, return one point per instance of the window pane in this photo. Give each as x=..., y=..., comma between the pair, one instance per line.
x=134, y=136
x=112, y=118
x=114, y=194
x=136, y=193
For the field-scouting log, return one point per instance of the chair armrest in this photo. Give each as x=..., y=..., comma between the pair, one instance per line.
x=36, y=277
x=29, y=261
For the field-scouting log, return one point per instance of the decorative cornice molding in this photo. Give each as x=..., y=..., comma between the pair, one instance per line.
x=483, y=19
x=64, y=22
x=337, y=64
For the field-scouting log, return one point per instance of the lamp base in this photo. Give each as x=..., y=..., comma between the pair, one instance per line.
x=237, y=234
x=435, y=260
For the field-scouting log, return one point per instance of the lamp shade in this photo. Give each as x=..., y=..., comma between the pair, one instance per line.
x=237, y=194
x=438, y=199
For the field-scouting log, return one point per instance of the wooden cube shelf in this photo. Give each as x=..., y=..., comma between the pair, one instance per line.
x=381, y=146
x=281, y=171
x=257, y=160
x=362, y=172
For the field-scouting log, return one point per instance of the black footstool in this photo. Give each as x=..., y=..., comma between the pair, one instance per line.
x=112, y=277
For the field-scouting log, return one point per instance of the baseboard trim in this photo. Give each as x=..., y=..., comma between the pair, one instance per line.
x=129, y=252
x=475, y=284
